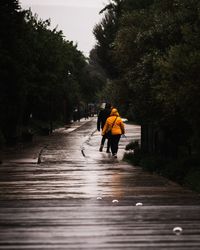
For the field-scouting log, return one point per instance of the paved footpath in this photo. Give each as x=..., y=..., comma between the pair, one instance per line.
x=75, y=197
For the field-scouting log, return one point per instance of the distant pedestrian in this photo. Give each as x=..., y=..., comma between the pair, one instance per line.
x=115, y=125
x=102, y=117
x=76, y=114
x=86, y=115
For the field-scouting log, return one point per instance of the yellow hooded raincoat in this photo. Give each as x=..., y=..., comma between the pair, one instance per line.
x=116, y=121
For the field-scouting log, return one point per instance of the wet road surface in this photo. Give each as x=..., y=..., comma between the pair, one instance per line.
x=79, y=198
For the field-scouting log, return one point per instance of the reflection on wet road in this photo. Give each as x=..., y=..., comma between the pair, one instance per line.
x=80, y=198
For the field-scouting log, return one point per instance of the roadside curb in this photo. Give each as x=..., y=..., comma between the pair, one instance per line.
x=32, y=155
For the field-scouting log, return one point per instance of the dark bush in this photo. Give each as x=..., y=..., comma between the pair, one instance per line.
x=192, y=180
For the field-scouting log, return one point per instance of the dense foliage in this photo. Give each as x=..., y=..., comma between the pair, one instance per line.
x=43, y=76
x=151, y=50
x=153, y=47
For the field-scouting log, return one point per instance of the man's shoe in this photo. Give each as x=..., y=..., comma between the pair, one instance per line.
x=115, y=155
x=101, y=148
x=107, y=151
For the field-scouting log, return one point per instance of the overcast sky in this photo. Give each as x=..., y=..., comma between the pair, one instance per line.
x=76, y=18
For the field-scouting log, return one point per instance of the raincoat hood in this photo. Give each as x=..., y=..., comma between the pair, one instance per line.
x=114, y=112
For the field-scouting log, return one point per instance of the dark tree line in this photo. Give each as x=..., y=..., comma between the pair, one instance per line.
x=43, y=76
x=151, y=51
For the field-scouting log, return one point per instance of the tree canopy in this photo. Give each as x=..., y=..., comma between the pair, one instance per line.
x=43, y=75
x=154, y=48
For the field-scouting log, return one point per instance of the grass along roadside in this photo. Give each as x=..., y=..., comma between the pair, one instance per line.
x=185, y=171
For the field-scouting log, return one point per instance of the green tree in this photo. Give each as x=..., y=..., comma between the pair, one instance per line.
x=156, y=51
x=43, y=76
